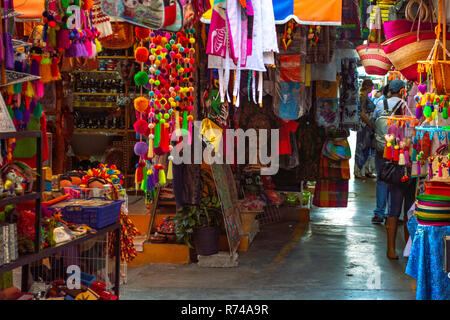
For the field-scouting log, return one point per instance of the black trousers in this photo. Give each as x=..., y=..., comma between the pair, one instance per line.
x=401, y=197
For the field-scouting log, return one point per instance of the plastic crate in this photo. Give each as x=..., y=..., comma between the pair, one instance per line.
x=437, y=188
x=87, y=279
x=94, y=217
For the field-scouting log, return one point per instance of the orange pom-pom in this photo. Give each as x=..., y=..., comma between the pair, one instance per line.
x=88, y=4
x=141, y=104
x=141, y=54
x=141, y=33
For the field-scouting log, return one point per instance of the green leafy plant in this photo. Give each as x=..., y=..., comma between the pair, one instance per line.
x=189, y=218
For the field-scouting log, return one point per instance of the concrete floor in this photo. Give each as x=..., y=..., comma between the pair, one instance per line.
x=340, y=254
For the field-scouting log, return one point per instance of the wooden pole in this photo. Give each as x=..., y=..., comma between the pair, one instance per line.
x=2, y=27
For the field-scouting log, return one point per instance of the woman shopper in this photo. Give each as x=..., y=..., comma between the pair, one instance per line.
x=364, y=138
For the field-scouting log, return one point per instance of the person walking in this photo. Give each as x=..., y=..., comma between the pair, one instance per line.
x=384, y=107
x=365, y=136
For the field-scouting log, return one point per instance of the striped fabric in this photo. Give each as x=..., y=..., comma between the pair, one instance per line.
x=433, y=210
x=373, y=59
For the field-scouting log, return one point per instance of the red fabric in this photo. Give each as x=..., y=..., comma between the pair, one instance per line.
x=285, y=129
x=45, y=149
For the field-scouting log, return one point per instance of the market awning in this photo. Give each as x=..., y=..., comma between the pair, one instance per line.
x=30, y=9
x=314, y=12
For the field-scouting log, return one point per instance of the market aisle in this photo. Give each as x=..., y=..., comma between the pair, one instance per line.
x=339, y=255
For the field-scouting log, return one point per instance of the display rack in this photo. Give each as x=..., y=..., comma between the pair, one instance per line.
x=25, y=260
x=94, y=104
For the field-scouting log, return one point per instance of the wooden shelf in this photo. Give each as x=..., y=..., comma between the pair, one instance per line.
x=28, y=258
x=96, y=71
x=20, y=134
x=115, y=57
x=110, y=132
x=95, y=94
x=17, y=199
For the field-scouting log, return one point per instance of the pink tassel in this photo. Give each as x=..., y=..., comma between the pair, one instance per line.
x=38, y=89
x=88, y=48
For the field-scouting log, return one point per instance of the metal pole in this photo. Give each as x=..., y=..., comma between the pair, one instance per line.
x=117, y=253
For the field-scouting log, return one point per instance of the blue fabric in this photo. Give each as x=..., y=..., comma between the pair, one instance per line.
x=381, y=190
x=282, y=8
x=426, y=261
x=290, y=100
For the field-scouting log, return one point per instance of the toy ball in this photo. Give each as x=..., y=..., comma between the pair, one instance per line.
x=140, y=149
x=140, y=126
x=141, y=54
x=141, y=104
x=141, y=33
x=141, y=78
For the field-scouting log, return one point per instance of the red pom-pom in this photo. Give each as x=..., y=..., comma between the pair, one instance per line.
x=142, y=33
x=140, y=126
x=52, y=24
x=141, y=54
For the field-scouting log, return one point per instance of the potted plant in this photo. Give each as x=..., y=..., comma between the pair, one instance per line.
x=200, y=225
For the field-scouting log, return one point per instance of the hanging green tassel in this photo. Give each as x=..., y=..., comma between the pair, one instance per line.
x=37, y=112
x=445, y=113
x=157, y=135
x=162, y=177
x=414, y=155
x=17, y=88
x=185, y=122
x=11, y=113
x=144, y=181
x=427, y=111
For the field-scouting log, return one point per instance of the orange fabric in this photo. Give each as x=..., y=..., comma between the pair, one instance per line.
x=318, y=10
x=30, y=9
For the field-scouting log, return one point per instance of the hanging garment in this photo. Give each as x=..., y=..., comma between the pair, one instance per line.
x=331, y=193
x=286, y=128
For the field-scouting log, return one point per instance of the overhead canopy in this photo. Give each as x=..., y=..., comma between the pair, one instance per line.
x=312, y=12
x=30, y=9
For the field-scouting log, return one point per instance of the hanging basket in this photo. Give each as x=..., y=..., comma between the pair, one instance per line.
x=374, y=60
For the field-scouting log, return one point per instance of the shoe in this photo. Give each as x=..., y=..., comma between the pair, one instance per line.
x=370, y=176
x=377, y=220
x=391, y=231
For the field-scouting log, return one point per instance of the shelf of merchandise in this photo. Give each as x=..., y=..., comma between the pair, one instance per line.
x=108, y=132
x=96, y=71
x=116, y=57
x=96, y=94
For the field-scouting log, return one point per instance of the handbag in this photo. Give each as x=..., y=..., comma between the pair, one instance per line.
x=372, y=56
x=405, y=49
x=394, y=174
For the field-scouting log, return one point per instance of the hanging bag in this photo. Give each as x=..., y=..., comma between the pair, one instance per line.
x=373, y=57
x=404, y=50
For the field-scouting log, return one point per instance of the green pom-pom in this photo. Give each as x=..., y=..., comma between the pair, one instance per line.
x=141, y=78
x=445, y=113
x=65, y=3
x=37, y=112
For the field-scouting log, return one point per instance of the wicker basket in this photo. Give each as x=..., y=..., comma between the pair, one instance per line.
x=247, y=219
x=373, y=59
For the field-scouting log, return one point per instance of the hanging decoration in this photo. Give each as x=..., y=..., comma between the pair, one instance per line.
x=166, y=102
